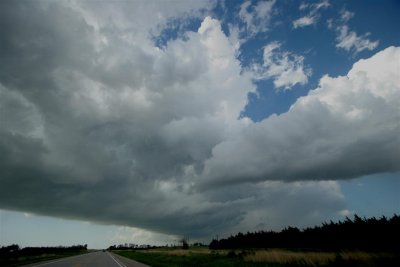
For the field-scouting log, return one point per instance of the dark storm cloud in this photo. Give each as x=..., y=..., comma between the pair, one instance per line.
x=99, y=124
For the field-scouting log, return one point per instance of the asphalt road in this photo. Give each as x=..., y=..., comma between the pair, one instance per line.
x=94, y=259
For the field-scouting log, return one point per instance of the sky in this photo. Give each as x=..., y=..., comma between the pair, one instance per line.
x=146, y=121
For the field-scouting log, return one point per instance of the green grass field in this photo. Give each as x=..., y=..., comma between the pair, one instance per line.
x=165, y=259
x=202, y=257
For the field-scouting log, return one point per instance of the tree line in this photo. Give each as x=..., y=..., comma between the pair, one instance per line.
x=15, y=251
x=369, y=234
x=130, y=247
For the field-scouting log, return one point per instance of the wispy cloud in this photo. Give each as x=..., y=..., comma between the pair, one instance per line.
x=256, y=17
x=285, y=68
x=346, y=15
x=303, y=21
x=349, y=40
x=313, y=16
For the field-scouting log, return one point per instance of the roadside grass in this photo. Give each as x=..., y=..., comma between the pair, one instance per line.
x=328, y=259
x=25, y=260
x=290, y=257
x=203, y=257
x=167, y=259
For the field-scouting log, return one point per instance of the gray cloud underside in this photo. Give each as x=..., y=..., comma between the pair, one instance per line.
x=99, y=124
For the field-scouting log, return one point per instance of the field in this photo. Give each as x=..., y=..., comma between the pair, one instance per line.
x=273, y=258
x=28, y=259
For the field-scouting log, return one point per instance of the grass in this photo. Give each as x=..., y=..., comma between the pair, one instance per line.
x=183, y=258
x=202, y=257
x=24, y=260
x=288, y=257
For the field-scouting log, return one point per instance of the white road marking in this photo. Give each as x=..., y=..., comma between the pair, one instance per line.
x=119, y=263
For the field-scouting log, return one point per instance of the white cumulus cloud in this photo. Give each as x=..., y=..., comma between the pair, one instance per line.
x=347, y=127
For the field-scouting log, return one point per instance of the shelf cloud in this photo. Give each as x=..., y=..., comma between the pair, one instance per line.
x=100, y=124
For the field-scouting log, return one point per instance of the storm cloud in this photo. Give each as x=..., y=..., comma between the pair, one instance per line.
x=100, y=124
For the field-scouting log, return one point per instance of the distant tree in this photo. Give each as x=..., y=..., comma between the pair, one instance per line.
x=185, y=242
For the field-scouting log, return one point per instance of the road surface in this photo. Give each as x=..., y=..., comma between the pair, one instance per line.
x=94, y=259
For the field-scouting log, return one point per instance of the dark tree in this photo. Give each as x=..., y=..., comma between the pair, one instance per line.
x=358, y=233
x=185, y=242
